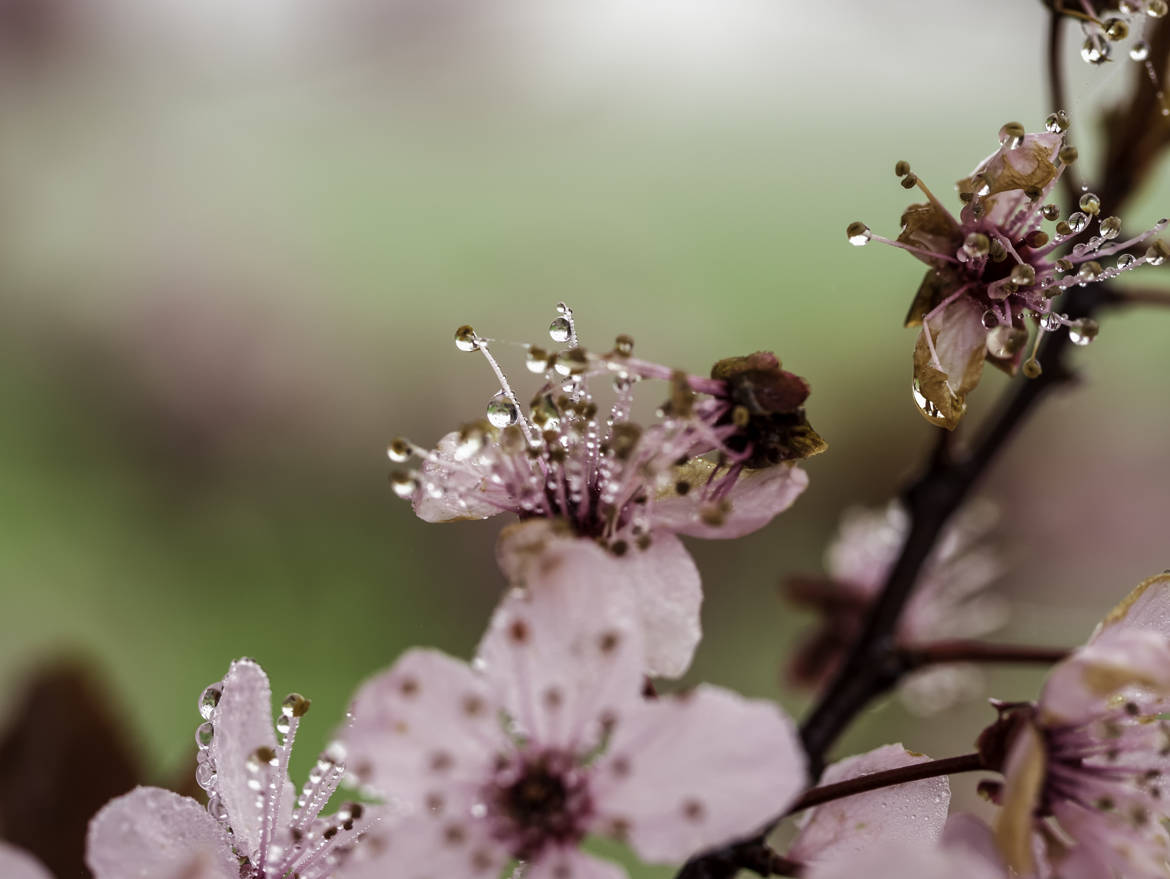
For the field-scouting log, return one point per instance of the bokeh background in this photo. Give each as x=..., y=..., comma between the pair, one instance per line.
x=236, y=238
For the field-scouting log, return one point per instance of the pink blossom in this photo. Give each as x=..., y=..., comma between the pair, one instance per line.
x=18, y=864
x=251, y=828
x=628, y=489
x=546, y=739
x=1085, y=765
x=994, y=264
x=912, y=813
x=950, y=601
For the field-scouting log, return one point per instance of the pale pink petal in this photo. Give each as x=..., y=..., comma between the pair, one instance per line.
x=564, y=652
x=242, y=723
x=152, y=833
x=427, y=846
x=905, y=860
x=1117, y=658
x=18, y=864
x=570, y=863
x=1147, y=607
x=756, y=498
x=967, y=833
x=661, y=583
x=427, y=726
x=464, y=483
x=914, y=812
x=687, y=773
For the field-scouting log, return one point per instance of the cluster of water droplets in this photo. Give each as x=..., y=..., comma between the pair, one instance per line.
x=308, y=846
x=1133, y=18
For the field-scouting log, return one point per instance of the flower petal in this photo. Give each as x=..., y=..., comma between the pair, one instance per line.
x=1147, y=607
x=1118, y=657
x=970, y=834
x=756, y=498
x=960, y=341
x=426, y=727
x=1023, y=774
x=914, y=812
x=660, y=584
x=907, y=861
x=242, y=723
x=18, y=864
x=565, y=654
x=462, y=481
x=684, y=774
x=570, y=863
x=427, y=846
x=152, y=833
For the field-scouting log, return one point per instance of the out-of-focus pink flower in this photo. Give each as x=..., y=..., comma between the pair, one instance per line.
x=1090, y=758
x=18, y=864
x=624, y=488
x=546, y=739
x=912, y=813
x=994, y=264
x=950, y=601
x=965, y=851
x=251, y=827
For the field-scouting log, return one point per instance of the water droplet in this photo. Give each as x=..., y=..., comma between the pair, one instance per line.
x=858, y=234
x=1078, y=221
x=1050, y=211
x=1089, y=272
x=205, y=775
x=283, y=724
x=204, y=734
x=404, y=483
x=536, y=360
x=208, y=699
x=1005, y=342
x=399, y=450
x=1090, y=203
x=560, y=330
x=1032, y=368
x=1083, y=331
x=216, y=809
x=1156, y=8
x=563, y=309
x=1126, y=261
x=502, y=412
x=990, y=319
x=976, y=244
x=479, y=810
x=1051, y=322
x=1023, y=275
x=1139, y=51
x=1116, y=29
x=1155, y=255
x=470, y=441
x=1011, y=135
x=466, y=339
x=624, y=345
x=1095, y=50
x=1056, y=122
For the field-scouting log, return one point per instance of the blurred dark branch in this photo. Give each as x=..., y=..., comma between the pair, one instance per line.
x=1139, y=296
x=1072, y=189
x=980, y=652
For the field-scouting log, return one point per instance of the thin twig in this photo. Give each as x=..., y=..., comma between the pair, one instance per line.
x=888, y=778
x=980, y=652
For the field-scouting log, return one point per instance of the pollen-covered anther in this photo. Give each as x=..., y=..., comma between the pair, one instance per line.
x=858, y=233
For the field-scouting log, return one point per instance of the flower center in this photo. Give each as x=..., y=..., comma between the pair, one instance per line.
x=538, y=800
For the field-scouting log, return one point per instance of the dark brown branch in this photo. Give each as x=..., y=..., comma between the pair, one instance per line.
x=981, y=652
x=1139, y=296
x=888, y=778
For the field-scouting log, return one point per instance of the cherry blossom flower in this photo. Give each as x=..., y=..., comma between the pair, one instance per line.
x=18, y=864
x=994, y=264
x=913, y=813
x=720, y=461
x=546, y=739
x=950, y=601
x=1084, y=766
x=251, y=827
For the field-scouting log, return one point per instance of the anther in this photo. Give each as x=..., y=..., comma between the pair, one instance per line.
x=466, y=339
x=902, y=168
x=858, y=233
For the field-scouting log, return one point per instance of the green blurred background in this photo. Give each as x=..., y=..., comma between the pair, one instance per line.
x=235, y=245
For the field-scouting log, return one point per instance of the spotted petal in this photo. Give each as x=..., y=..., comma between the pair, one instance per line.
x=427, y=727
x=660, y=584
x=960, y=341
x=463, y=481
x=152, y=833
x=569, y=863
x=906, y=860
x=914, y=812
x=756, y=498
x=438, y=845
x=683, y=774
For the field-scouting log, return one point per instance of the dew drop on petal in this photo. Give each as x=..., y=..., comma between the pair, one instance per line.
x=990, y=319
x=216, y=809
x=204, y=734
x=560, y=329
x=208, y=699
x=1005, y=341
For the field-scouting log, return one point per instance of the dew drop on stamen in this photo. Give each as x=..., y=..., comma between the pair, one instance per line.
x=1155, y=255
x=404, y=484
x=858, y=234
x=1110, y=228
x=1056, y=122
x=1095, y=50
x=1050, y=211
x=1011, y=135
x=1050, y=322
x=1006, y=341
x=1090, y=203
x=502, y=412
x=1125, y=261
x=990, y=319
x=1023, y=275
x=1156, y=8
x=1139, y=51
x=976, y=244
x=1077, y=221
x=1082, y=332
x=466, y=339
x=560, y=330
x=209, y=699
x=398, y=451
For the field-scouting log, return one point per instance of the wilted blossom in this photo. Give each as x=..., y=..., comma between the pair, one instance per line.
x=913, y=812
x=546, y=739
x=1085, y=766
x=719, y=461
x=18, y=864
x=994, y=264
x=255, y=826
x=950, y=599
